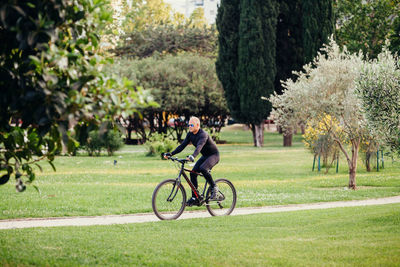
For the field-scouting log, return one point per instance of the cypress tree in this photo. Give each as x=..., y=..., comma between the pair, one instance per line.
x=246, y=59
x=256, y=63
x=289, y=44
x=228, y=27
x=269, y=13
x=318, y=24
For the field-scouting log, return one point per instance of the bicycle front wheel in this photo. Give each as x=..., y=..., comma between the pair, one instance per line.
x=226, y=201
x=169, y=200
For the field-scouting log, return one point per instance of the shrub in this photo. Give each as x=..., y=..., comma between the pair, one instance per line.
x=94, y=143
x=320, y=139
x=160, y=143
x=112, y=141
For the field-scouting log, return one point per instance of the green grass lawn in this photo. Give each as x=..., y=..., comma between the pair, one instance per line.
x=359, y=236
x=270, y=175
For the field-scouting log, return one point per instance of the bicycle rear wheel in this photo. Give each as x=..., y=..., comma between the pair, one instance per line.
x=168, y=200
x=226, y=199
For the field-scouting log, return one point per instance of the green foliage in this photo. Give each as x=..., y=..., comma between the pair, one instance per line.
x=139, y=15
x=168, y=39
x=379, y=89
x=246, y=62
x=289, y=46
x=197, y=18
x=256, y=59
x=365, y=25
x=395, y=37
x=51, y=77
x=303, y=27
x=183, y=85
x=326, y=87
x=318, y=25
x=110, y=140
x=228, y=18
x=160, y=143
x=94, y=143
x=113, y=141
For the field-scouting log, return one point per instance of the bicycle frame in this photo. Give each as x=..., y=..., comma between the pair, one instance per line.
x=182, y=172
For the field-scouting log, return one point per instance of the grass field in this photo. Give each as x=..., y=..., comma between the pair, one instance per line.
x=358, y=236
x=263, y=176
x=362, y=236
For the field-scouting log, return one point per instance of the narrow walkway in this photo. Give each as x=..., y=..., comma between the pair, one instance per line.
x=150, y=217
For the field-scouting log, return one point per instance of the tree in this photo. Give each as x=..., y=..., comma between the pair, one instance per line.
x=256, y=63
x=379, y=89
x=197, y=18
x=326, y=87
x=303, y=27
x=289, y=46
x=51, y=77
x=318, y=25
x=395, y=37
x=255, y=53
x=141, y=14
x=365, y=25
x=227, y=22
x=183, y=85
x=168, y=39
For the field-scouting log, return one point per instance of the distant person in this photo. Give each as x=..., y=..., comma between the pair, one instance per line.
x=210, y=157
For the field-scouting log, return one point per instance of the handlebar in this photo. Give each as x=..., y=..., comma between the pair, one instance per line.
x=178, y=159
x=183, y=161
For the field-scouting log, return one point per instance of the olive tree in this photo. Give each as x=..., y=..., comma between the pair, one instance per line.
x=327, y=87
x=379, y=90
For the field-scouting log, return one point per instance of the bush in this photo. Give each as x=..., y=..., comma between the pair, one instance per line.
x=112, y=141
x=160, y=143
x=94, y=143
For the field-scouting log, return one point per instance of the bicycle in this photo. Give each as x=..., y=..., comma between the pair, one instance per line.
x=169, y=196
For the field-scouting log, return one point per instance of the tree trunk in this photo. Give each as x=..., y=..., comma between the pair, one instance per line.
x=287, y=137
x=303, y=128
x=352, y=162
x=129, y=136
x=368, y=161
x=258, y=134
x=352, y=177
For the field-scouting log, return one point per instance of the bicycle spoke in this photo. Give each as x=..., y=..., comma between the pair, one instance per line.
x=165, y=206
x=226, y=200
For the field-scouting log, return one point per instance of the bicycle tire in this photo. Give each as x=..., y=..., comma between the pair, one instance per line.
x=164, y=209
x=222, y=207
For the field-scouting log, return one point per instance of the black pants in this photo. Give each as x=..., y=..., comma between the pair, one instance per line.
x=204, y=166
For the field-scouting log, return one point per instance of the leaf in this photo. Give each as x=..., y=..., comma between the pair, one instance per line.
x=4, y=179
x=52, y=165
x=37, y=189
x=40, y=167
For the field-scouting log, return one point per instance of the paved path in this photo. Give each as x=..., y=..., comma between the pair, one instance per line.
x=150, y=217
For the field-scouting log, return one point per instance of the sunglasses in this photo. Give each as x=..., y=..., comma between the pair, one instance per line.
x=191, y=125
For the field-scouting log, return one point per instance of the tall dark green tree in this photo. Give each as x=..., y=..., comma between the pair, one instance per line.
x=289, y=46
x=227, y=22
x=303, y=27
x=256, y=63
x=318, y=24
x=246, y=61
x=395, y=37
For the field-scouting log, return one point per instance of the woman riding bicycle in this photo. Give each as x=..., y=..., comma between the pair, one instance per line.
x=210, y=157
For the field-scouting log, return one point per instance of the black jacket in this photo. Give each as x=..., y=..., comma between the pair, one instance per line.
x=202, y=141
